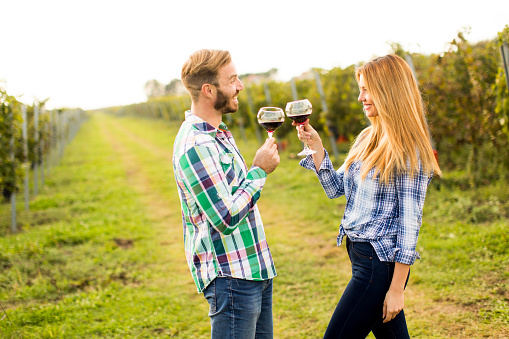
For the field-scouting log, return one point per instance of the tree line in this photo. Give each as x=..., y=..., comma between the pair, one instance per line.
x=464, y=89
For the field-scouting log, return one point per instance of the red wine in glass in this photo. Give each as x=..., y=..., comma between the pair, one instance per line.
x=270, y=118
x=299, y=111
x=300, y=119
x=271, y=126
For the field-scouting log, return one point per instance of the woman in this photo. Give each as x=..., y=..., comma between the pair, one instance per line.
x=384, y=179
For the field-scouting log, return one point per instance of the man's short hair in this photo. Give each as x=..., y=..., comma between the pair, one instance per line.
x=201, y=68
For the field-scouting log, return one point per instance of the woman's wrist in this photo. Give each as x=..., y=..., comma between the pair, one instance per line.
x=399, y=277
x=317, y=145
x=397, y=288
x=318, y=157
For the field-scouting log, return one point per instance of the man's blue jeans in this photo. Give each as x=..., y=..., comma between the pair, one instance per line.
x=240, y=309
x=360, y=308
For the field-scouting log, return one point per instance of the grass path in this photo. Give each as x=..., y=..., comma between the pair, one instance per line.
x=157, y=195
x=129, y=278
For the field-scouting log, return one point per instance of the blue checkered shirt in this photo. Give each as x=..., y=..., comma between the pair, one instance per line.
x=387, y=216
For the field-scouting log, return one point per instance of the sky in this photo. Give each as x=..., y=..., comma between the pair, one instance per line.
x=93, y=54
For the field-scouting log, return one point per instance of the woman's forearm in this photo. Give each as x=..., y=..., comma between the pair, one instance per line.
x=400, y=276
x=395, y=299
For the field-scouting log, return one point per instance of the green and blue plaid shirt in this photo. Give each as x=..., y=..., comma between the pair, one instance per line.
x=223, y=230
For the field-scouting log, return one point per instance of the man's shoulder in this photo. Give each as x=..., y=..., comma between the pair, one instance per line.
x=188, y=137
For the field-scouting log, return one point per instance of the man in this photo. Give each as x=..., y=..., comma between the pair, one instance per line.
x=224, y=237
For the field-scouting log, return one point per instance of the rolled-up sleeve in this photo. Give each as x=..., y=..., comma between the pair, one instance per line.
x=411, y=193
x=331, y=180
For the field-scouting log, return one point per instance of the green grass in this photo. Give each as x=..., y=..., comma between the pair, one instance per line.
x=101, y=251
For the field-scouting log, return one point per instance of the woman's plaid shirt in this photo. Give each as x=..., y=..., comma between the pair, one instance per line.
x=223, y=230
x=387, y=216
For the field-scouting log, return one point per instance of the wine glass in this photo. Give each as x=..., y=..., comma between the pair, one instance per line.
x=299, y=111
x=270, y=118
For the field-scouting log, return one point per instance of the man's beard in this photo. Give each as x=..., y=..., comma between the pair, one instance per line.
x=222, y=103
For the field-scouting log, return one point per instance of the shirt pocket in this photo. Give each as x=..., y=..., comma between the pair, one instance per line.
x=227, y=164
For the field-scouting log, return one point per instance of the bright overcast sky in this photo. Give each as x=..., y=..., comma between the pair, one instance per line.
x=94, y=54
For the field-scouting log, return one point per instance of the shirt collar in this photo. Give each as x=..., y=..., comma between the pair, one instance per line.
x=205, y=127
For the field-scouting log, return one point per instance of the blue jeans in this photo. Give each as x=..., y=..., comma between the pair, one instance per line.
x=240, y=308
x=360, y=308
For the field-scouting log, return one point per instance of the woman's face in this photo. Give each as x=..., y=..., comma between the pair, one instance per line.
x=365, y=98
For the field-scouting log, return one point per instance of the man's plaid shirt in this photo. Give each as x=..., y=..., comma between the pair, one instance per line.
x=223, y=230
x=387, y=216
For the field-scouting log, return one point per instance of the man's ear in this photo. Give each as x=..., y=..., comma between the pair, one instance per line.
x=208, y=90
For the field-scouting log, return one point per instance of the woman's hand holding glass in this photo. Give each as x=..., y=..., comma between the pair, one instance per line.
x=307, y=134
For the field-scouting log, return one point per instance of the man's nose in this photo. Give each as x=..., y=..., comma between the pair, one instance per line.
x=240, y=85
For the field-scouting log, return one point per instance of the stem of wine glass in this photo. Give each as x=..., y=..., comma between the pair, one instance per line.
x=270, y=134
x=305, y=141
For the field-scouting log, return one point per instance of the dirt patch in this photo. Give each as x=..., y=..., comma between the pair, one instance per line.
x=124, y=243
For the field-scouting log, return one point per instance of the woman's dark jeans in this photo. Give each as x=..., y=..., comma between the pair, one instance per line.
x=360, y=309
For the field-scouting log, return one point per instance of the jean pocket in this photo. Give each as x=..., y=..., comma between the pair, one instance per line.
x=210, y=294
x=363, y=250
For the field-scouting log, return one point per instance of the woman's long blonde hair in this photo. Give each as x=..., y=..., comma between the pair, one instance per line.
x=398, y=136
